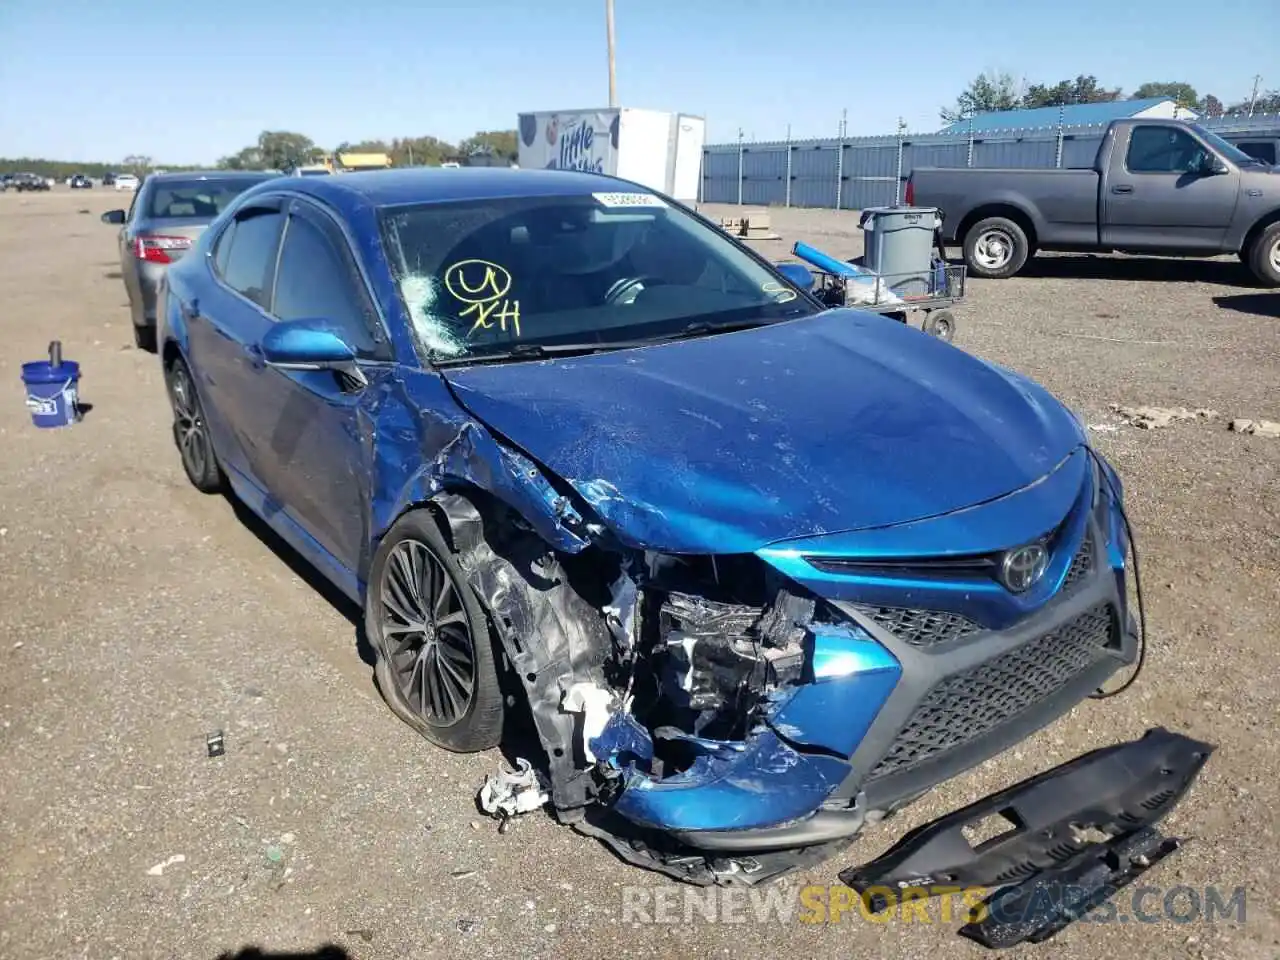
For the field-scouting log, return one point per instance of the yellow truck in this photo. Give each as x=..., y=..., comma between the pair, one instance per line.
x=345, y=163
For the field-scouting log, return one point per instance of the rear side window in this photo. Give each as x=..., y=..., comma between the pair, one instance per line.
x=250, y=260
x=1260, y=150
x=1163, y=150
x=173, y=199
x=316, y=280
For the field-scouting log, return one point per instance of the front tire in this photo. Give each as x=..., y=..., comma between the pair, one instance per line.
x=435, y=662
x=191, y=429
x=996, y=248
x=1264, y=255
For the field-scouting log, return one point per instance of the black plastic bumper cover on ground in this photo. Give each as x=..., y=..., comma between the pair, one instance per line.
x=1118, y=792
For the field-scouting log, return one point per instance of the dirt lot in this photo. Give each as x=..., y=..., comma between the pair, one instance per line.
x=141, y=615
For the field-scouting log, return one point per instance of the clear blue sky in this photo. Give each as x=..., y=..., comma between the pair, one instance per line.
x=187, y=83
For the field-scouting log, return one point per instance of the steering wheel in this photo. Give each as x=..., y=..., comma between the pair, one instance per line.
x=626, y=285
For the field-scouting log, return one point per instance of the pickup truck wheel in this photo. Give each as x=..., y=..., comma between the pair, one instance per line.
x=1264, y=256
x=995, y=248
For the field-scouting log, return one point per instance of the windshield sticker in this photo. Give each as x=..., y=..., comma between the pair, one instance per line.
x=420, y=292
x=483, y=286
x=628, y=200
x=776, y=290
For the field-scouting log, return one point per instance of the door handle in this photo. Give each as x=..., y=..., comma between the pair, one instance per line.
x=1122, y=188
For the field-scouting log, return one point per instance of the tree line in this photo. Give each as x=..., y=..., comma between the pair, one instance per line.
x=992, y=92
x=284, y=150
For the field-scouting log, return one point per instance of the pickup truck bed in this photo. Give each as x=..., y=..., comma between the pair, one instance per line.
x=1157, y=186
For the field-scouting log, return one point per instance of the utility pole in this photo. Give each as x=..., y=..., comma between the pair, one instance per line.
x=1253, y=97
x=613, y=73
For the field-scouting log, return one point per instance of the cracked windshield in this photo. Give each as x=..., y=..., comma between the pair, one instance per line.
x=509, y=276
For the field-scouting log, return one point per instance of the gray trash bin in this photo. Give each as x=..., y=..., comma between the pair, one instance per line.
x=899, y=246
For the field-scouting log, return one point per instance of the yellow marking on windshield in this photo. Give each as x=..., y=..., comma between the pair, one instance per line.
x=493, y=278
x=483, y=286
x=776, y=290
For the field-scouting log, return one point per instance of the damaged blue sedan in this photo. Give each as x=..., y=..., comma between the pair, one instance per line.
x=758, y=572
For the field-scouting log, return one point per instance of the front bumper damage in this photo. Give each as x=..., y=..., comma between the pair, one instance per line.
x=725, y=720
x=1070, y=838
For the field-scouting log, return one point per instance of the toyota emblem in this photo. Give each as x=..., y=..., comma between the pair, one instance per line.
x=1023, y=567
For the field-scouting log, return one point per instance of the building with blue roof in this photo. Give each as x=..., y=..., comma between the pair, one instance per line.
x=1073, y=115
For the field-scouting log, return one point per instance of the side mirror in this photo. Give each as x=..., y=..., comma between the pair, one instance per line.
x=114, y=216
x=309, y=345
x=1211, y=166
x=797, y=273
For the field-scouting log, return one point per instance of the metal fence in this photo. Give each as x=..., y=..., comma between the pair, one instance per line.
x=858, y=172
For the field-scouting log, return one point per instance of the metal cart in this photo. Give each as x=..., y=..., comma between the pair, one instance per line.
x=922, y=298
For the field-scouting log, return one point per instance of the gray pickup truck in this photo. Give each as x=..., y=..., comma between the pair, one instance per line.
x=1157, y=186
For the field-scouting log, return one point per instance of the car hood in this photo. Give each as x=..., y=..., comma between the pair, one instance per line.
x=840, y=421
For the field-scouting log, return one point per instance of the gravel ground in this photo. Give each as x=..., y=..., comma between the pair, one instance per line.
x=143, y=615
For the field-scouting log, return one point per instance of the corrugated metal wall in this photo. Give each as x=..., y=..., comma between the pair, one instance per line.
x=871, y=171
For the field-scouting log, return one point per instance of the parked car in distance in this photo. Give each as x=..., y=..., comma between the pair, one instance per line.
x=28, y=181
x=167, y=214
x=125, y=181
x=80, y=182
x=762, y=571
x=1157, y=187
x=108, y=179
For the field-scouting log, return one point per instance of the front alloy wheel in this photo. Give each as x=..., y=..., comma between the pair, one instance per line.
x=427, y=636
x=435, y=663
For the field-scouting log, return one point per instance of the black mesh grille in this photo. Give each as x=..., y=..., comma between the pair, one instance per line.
x=1081, y=566
x=969, y=705
x=920, y=628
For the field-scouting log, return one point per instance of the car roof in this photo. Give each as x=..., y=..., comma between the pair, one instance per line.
x=416, y=185
x=211, y=175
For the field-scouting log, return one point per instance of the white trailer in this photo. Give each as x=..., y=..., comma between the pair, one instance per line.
x=662, y=151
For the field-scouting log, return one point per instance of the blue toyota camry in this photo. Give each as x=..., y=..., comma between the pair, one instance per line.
x=756, y=571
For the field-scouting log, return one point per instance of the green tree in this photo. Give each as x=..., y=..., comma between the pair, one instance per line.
x=1184, y=93
x=501, y=143
x=283, y=150
x=364, y=146
x=420, y=151
x=989, y=92
x=1083, y=89
x=137, y=163
x=1209, y=106
x=1268, y=102
x=250, y=158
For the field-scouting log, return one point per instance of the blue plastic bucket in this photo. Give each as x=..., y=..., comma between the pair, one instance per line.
x=52, y=392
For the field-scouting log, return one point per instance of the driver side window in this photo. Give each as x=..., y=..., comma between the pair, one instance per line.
x=316, y=281
x=1163, y=150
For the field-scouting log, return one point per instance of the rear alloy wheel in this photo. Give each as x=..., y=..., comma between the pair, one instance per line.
x=995, y=248
x=435, y=663
x=191, y=431
x=1264, y=255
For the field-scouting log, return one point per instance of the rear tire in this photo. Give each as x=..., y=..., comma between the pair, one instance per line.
x=1264, y=255
x=996, y=248
x=440, y=678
